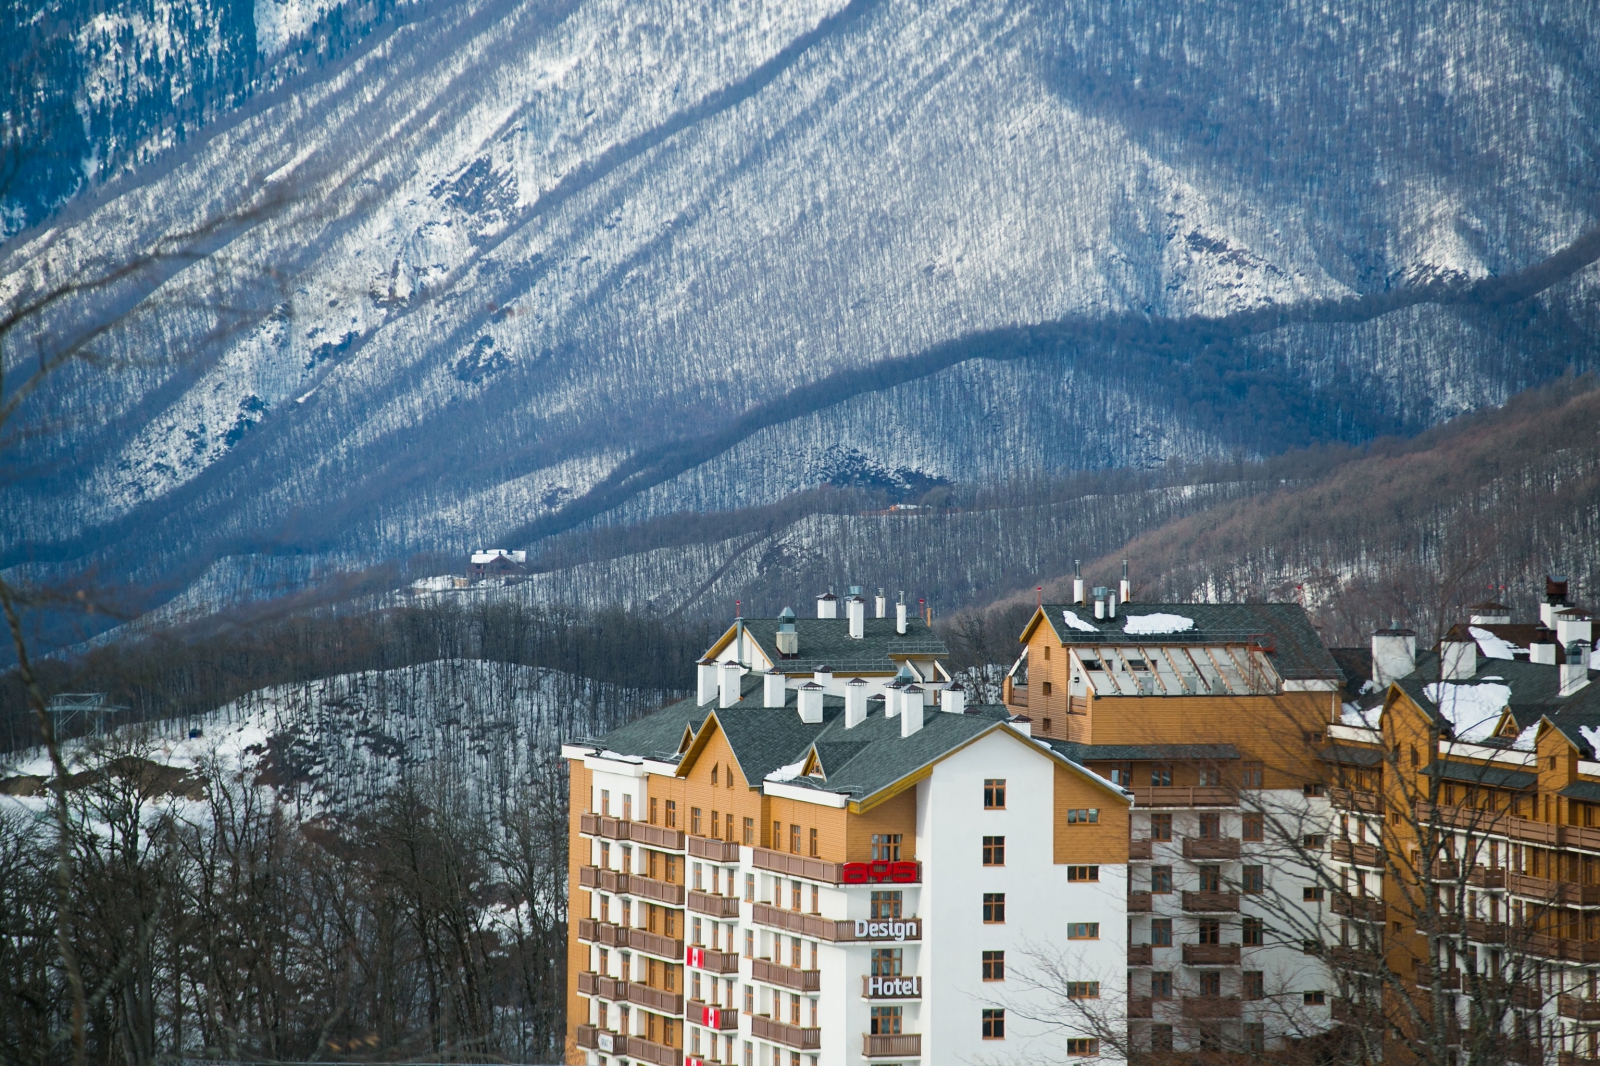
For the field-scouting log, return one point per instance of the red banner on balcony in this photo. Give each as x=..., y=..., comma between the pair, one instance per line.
x=711, y=1017
x=695, y=956
x=860, y=873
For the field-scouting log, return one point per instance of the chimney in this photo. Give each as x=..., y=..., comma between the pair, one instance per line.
x=891, y=698
x=900, y=614
x=822, y=676
x=1022, y=724
x=855, y=702
x=828, y=605
x=1575, y=671
x=910, y=710
x=729, y=686
x=953, y=700
x=707, y=690
x=1111, y=605
x=810, y=701
x=773, y=693
x=1100, y=601
x=882, y=605
x=1077, y=582
x=788, y=639
x=1394, y=654
x=856, y=609
x=1125, y=593
x=1458, y=659
x=1555, y=597
x=1572, y=624
x=1542, y=649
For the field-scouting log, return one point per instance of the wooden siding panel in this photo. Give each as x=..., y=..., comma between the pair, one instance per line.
x=896, y=815
x=1105, y=842
x=580, y=788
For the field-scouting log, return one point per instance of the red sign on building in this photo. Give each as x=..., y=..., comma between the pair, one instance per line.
x=861, y=873
x=695, y=956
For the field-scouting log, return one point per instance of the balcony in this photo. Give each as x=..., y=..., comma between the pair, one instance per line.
x=1349, y=1012
x=900, y=1045
x=592, y=877
x=1571, y=1058
x=619, y=991
x=722, y=1019
x=591, y=1038
x=1352, y=800
x=793, y=1036
x=1357, y=854
x=1483, y=877
x=711, y=961
x=1485, y=932
x=785, y=976
x=1211, y=954
x=1211, y=1006
x=1210, y=902
x=662, y=947
x=1140, y=849
x=1364, y=908
x=713, y=850
x=1141, y=1007
x=716, y=906
x=1139, y=902
x=1445, y=870
x=1200, y=848
x=648, y=1051
x=835, y=930
x=1356, y=959
x=1552, y=947
x=599, y=825
x=1567, y=893
x=781, y=862
x=1139, y=954
x=595, y=932
x=1181, y=796
x=1450, y=980
x=1579, y=1010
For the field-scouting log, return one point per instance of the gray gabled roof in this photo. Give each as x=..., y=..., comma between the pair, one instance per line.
x=1298, y=653
x=827, y=642
x=1083, y=753
x=1535, y=693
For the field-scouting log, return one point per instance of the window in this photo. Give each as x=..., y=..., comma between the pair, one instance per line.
x=994, y=1024
x=1160, y=879
x=994, y=793
x=749, y=832
x=1161, y=985
x=1252, y=932
x=713, y=773
x=1210, y=826
x=653, y=812
x=994, y=908
x=1255, y=1036
x=1210, y=777
x=749, y=943
x=814, y=851
x=886, y=847
x=1161, y=1038
x=1083, y=816
x=1311, y=894
x=694, y=820
x=1046, y=688
x=1161, y=932
x=794, y=896
x=816, y=896
x=1210, y=877
x=1083, y=930
x=1161, y=775
x=886, y=906
x=1315, y=999
x=1083, y=989
x=888, y=962
x=1250, y=775
x=730, y=828
x=794, y=839
x=716, y=826
x=1254, y=827
x=1122, y=775
x=1161, y=827
x=886, y=1021
x=749, y=1001
x=749, y=888
x=1209, y=930
x=1313, y=789
x=1078, y=1045
x=699, y=878
x=1253, y=881
x=1046, y=729
x=1255, y=985
x=1083, y=873
x=994, y=966
x=672, y=814
x=777, y=836
x=1211, y=982
x=605, y=802
x=994, y=851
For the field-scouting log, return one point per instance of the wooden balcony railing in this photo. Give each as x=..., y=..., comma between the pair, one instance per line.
x=774, y=973
x=1211, y=954
x=797, y=866
x=1139, y=902
x=620, y=991
x=1208, y=902
x=1553, y=947
x=722, y=1019
x=831, y=929
x=655, y=836
x=1140, y=849
x=663, y=947
x=1139, y=954
x=1367, y=909
x=593, y=1038
x=899, y=1045
x=1186, y=796
x=597, y=932
x=1350, y=1012
x=716, y=906
x=649, y=1051
x=1483, y=877
x=1565, y=893
x=714, y=850
x=1503, y=823
x=1356, y=959
x=794, y=1036
x=1141, y=1007
x=712, y=961
x=1211, y=1007
x=1210, y=848
x=1485, y=932
x=1352, y=800
x=1582, y=1010
x=630, y=885
x=1357, y=854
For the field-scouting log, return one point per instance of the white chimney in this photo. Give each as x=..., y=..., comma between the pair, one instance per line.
x=1459, y=659
x=891, y=699
x=729, y=683
x=828, y=605
x=881, y=604
x=772, y=690
x=708, y=681
x=910, y=711
x=900, y=615
x=1099, y=601
x=1575, y=671
x=1111, y=605
x=822, y=676
x=1572, y=624
x=856, y=609
x=1077, y=583
x=1394, y=655
x=810, y=701
x=1542, y=649
x=1022, y=724
x=855, y=702
x=1125, y=593
x=953, y=700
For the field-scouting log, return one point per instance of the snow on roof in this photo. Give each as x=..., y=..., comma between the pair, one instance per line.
x=1074, y=622
x=1471, y=710
x=1592, y=735
x=787, y=773
x=1157, y=623
x=1491, y=646
x=1354, y=714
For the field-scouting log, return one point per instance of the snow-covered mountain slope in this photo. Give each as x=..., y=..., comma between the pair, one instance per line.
x=515, y=251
